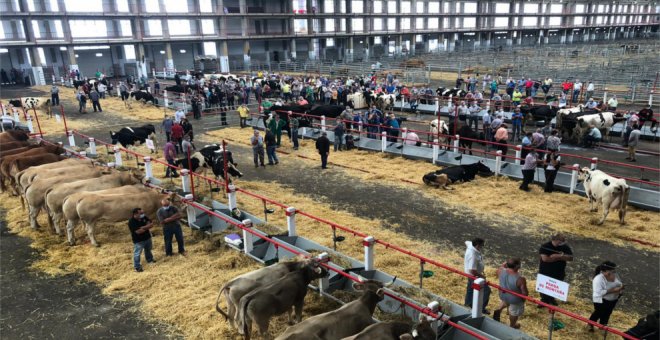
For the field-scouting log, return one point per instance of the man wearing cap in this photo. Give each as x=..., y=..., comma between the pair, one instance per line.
x=323, y=146
x=139, y=226
x=553, y=256
x=591, y=104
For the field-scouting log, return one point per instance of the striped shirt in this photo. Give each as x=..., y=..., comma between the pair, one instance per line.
x=530, y=161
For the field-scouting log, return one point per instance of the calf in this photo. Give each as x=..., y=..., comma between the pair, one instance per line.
x=235, y=289
x=277, y=298
x=394, y=330
x=348, y=320
x=610, y=192
x=144, y=97
x=439, y=128
x=27, y=103
x=454, y=174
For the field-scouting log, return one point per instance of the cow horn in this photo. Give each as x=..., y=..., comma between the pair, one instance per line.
x=389, y=284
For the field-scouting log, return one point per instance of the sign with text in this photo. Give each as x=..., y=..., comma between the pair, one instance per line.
x=150, y=144
x=552, y=287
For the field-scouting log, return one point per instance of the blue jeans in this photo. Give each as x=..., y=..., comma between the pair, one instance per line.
x=272, y=155
x=469, y=292
x=294, y=138
x=137, y=252
x=339, y=141
x=168, y=232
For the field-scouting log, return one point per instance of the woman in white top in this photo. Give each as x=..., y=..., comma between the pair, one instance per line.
x=607, y=288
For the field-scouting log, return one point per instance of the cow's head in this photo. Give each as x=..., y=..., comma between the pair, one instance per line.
x=373, y=287
x=114, y=136
x=421, y=331
x=584, y=175
x=483, y=169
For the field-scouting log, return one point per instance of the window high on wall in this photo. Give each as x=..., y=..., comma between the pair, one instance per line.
x=205, y=6
x=88, y=28
x=151, y=6
x=176, y=6
x=83, y=6
x=179, y=26
x=122, y=5
x=357, y=6
x=501, y=8
x=470, y=8
x=155, y=27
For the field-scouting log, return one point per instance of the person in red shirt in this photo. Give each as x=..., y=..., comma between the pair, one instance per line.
x=529, y=100
x=405, y=92
x=177, y=136
x=528, y=87
x=566, y=86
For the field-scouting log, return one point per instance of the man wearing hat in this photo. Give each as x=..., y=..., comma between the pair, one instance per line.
x=591, y=104
x=323, y=146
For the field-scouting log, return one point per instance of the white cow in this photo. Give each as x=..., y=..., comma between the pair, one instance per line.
x=609, y=191
x=438, y=126
x=601, y=120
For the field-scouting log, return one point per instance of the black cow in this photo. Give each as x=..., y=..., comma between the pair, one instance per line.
x=176, y=88
x=213, y=157
x=466, y=135
x=543, y=113
x=133, y=135
x=454, y=174
x=144, y=96
x=329, y=111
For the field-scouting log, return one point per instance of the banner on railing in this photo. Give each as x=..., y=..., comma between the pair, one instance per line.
x=552, y=287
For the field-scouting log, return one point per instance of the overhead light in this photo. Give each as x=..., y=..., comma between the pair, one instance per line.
x=162, y=52
x=77, y=56
x=4, y=50
x=99, y=54
x=62, y=48
x=182, y=51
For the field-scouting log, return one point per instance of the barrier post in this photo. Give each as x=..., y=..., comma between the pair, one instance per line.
x=92, y=146
x=190, y=210
x=360, y=128
x=498, y=162
x=594, y=163
x=323, y=123
x=29, y=124
x=457, y=139
x=17, y=117
x=368, y=244
x=574, y=176
x=148, y=167
x=434, y=306
x=605, y=96
x=518, y=153
x=185, y=180
x=118, y=160
x=383, y=141
x=291, y=221
x=72, y=138
x=231, y=196
x=324, y=282
x=404, y=134
x=436, y=149
x=248, y=244
x=478, y=297
x=165, y=100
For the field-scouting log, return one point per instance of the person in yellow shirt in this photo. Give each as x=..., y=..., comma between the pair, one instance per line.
x=244, y=113
x=517, y=96
x=286, y=92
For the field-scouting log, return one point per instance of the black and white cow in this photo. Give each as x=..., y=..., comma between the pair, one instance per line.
x=211, y=156
x=144, y=96
x=454, y=174
x=543, y=113
x=132, y=136
x=28, y=103
x=455, y=92
x=608, y=191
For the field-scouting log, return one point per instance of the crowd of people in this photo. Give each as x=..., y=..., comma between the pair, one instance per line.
x=554, y=256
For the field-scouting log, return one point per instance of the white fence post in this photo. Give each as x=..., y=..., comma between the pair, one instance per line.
x=498, y=162
x=360, y=129
x=72, y=139
x=165, y=100
x=574, y=176
x=457, y=140
x=436, y=149
x=231, y=194
x=118, y=160
x=478, y=297
x=605, y=96
x=437, y=105
x=248, y=244
x=323, y=123
x=594, y=163
x=404, y=134
x=185, y=180
x=291, y=221
x=148, y=167
x=324, y=282
x=518, y=154
x=17, y=117
x=92, y=146
x=190, y=210
x=368, y=244
x=383, y=141
x=29, y=124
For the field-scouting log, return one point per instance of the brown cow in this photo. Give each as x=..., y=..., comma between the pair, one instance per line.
x=14, y=136
x=13, y=145
x=56, y=195
x=9, y=152
x=394, y=330
x=28, y=162
x=35, y=195
x=6, y=161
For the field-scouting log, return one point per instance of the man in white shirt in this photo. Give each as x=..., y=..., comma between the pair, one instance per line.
x=577, y=87
x=474, y=265
x=179, y=115
x=590, y=90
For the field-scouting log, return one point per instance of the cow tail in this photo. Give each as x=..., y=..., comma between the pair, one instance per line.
x=242, y=316
x=217, y=302
x=625, y=192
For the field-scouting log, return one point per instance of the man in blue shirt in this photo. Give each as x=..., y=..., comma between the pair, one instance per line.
x=516, y=124
x=593, y=136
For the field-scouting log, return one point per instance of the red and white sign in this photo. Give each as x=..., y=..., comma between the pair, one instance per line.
x=552, y=287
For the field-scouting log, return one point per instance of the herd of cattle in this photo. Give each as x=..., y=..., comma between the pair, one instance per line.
x=71, y=190
x=257, y=296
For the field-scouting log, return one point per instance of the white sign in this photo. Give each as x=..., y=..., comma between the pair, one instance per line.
x=552, y=287
x=58, y=118
x=150, y=144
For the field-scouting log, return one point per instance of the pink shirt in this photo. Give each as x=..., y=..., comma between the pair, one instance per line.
x=501, y=134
